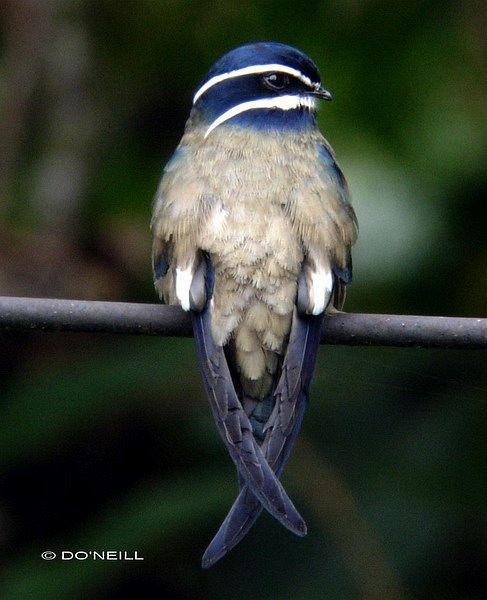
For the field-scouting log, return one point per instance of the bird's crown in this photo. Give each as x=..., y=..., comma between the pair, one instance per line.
x=266, y=85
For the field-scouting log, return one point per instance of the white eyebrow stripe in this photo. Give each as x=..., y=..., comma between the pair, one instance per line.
x=254, y=70
x=288, y=102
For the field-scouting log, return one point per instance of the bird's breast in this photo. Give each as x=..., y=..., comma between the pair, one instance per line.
x=256, y=254
x=247, y=227
x=255, y=251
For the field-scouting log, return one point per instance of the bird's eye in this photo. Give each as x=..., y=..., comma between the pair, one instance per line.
x=276, y=81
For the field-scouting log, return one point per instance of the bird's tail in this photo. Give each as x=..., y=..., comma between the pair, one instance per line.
x=235, y=429
x=291, y=398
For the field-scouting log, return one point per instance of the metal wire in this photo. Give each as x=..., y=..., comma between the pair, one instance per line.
x=352, y=329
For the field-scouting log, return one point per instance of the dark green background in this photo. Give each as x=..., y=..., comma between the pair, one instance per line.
x=106, y=442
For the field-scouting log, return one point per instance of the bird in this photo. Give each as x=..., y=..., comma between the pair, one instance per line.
x=252, y=229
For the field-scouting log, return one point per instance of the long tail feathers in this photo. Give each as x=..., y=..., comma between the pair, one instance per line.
x=291, y=398
x=235, y=429
x=237, y=523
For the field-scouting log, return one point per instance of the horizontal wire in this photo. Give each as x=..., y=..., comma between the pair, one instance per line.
x=351, y=329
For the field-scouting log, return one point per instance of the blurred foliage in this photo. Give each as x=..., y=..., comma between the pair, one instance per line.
x=106, y=443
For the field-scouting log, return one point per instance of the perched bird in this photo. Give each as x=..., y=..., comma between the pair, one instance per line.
x=252, y=229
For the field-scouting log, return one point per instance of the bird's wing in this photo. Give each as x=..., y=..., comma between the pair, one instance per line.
x=291, y=397
x=177, y=215
x=292, y=391
x=235, y=429
x=346, y=222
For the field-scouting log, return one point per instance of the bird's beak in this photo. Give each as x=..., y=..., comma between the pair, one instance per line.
x=322, y=94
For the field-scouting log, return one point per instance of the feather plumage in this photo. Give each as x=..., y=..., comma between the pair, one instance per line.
x=253, y=213
x=235, y=429
x=291, y=398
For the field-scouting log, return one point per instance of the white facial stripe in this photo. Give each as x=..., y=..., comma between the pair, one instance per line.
x=280, y=102
x=254, y=70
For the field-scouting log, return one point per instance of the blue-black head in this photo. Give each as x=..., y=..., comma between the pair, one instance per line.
x=265, y=85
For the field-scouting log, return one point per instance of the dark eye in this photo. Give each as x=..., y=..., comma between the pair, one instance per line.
x=276, y=81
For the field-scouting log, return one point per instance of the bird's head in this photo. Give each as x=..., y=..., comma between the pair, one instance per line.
x=265, y=85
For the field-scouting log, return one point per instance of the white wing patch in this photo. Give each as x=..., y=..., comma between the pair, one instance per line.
x=320, y=289
x=184, y=277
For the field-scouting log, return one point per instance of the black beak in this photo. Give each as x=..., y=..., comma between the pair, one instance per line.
x=322, y=94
